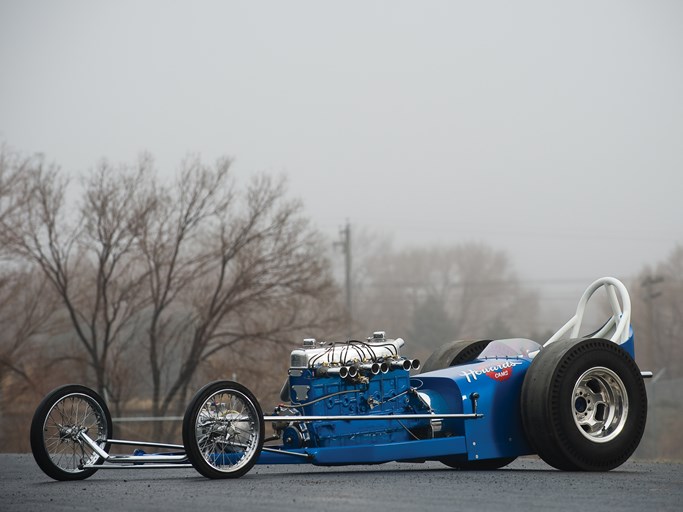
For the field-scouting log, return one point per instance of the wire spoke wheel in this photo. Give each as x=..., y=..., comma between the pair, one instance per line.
x=56, y=428
x=223, y=430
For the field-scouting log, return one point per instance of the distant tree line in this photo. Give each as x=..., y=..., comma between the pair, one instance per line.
x=432, y=295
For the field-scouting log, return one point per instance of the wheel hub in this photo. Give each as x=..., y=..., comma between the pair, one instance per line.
x=599, y=404
x=71, y=433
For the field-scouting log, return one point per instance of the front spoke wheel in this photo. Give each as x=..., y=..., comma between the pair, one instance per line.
x=223, y=430
x=60, y=419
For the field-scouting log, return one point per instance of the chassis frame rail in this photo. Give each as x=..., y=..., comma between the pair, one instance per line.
x=176, y=460
x=136, y=461
x=370, y=417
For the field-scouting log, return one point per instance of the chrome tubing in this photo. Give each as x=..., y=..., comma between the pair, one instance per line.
x=403, y=364
x=373, y=368
x=128, y=459
x=145, y=443
x=342, y=371
x=138, y=465
x=366, y=417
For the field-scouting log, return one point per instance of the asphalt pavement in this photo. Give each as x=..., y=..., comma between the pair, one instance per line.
x=527, y=484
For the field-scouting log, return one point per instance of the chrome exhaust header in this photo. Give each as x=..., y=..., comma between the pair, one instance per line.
x=342, y=371
x=372, y=368
x=403, y=364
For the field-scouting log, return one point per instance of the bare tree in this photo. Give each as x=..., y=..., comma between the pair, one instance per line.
x=87, y=255
x=657, y=296
x=13, y=169
x=169, y=247
x=228, y=267
x=28, y=310
x=25, y=308
x=657, y=302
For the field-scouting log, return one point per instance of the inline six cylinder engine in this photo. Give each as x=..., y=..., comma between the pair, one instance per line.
x=351, y=378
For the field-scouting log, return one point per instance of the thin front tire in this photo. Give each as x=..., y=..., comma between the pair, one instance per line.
x=55, y=432
x=223, y=430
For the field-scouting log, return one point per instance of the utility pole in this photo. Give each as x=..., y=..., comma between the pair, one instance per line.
x=650, y=294
x=345, y=244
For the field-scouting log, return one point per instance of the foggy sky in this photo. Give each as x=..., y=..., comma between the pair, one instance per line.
x=552, y=130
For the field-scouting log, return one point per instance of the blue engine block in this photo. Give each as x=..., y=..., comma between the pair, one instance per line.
x=388, y=393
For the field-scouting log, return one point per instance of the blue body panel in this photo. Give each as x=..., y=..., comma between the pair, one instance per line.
x=369, y=454
x=629, y=344
x=498, y=383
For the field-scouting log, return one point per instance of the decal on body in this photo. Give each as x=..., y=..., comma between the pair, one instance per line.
x=498, y=372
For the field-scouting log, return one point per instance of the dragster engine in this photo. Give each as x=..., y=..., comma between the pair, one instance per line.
x=351, y=378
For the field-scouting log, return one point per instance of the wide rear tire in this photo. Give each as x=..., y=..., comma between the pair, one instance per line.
x=584, y=405
x=476, y=465
x=453, y=353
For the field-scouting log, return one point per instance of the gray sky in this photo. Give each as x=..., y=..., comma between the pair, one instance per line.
x=553, y=130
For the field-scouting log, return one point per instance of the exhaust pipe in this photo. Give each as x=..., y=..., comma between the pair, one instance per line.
x=415, y=364
x=342, y=371
x=373, y=368
x=384, y=367
x=403, y=364
x=352, y=372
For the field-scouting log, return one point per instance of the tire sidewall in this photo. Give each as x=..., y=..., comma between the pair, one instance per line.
x=454, y=353
x=189, y=435
x=37, y=439
x=581, y=451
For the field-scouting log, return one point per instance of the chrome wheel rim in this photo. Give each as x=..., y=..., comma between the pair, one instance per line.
x=67, y=419
x=227, y=430
x=599, y=404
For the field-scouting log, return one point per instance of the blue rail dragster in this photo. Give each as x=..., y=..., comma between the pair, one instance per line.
x=577, y=401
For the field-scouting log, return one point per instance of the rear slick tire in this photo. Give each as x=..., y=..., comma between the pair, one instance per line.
x=584, y=405
x=453, y=353
x=477, y=465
